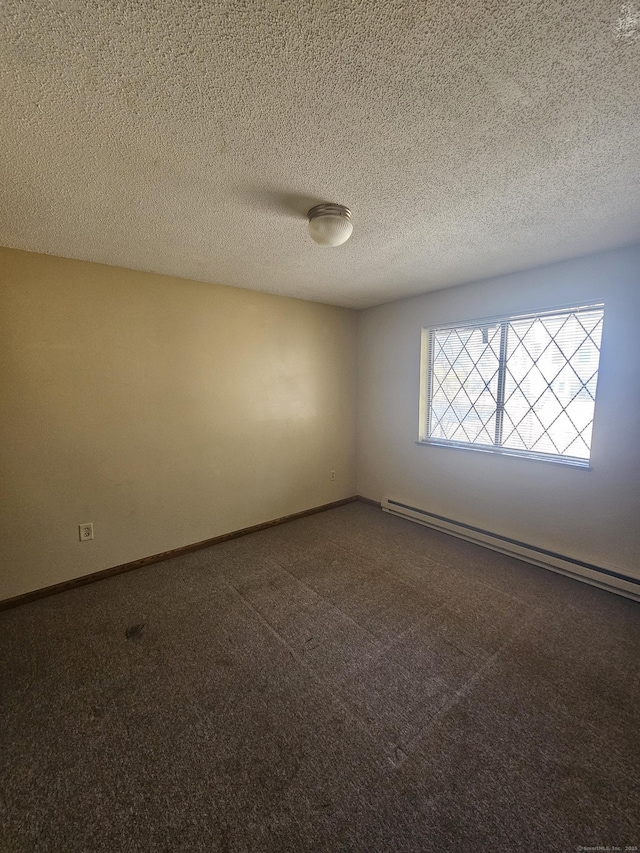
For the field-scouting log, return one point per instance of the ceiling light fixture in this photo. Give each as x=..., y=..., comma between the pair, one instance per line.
x=330, y=224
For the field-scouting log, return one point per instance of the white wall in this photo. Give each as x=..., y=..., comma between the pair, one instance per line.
x=592, y=515
x=162, y=410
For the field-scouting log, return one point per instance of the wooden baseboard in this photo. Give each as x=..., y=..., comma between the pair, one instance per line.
x=165, y=555
x=368, y=501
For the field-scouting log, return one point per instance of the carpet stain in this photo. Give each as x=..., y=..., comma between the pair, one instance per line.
x=134, y=632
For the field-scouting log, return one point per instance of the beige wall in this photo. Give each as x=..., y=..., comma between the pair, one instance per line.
x=593, y=515
x=164, y=411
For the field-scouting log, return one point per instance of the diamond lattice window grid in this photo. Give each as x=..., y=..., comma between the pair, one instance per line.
x=523, y=384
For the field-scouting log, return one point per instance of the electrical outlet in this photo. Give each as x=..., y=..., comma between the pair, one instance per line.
x=85, y=531
x=332, y=474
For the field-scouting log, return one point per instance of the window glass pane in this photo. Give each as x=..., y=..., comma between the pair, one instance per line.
x=550, y=379
x=464, y=384
x=541, y=397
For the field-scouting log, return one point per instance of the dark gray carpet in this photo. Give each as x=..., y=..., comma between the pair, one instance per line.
x=346, y=682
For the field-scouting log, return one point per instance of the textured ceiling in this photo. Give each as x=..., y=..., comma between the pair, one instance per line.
x=189, y=137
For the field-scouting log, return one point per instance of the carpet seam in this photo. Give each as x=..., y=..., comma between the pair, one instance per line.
x=358, y=719
x=329, y=602
x=462, y=691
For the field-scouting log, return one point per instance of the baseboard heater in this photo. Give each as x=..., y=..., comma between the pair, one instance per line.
x=605, y=578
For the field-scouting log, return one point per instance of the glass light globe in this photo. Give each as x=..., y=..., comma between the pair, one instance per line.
x=330, y=224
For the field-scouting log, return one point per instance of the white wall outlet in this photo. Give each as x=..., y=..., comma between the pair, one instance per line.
x=332, y=474
x=85, y=531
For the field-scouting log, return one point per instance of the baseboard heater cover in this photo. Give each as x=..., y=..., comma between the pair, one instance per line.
x=609, y=579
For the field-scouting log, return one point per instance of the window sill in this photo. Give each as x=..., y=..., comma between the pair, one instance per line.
x=571, y=461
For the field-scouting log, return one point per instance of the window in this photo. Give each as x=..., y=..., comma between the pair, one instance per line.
x=523, y=385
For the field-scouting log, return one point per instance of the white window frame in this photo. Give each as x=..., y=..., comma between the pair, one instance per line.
x=426, y=380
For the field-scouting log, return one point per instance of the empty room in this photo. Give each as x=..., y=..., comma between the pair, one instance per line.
x=319, y=419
